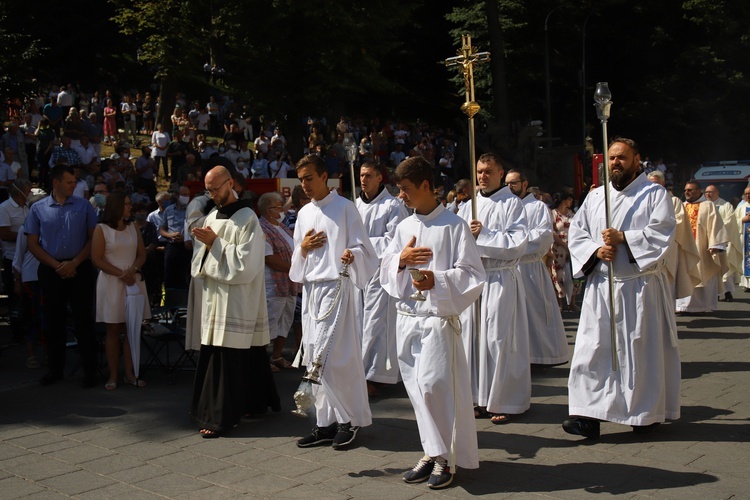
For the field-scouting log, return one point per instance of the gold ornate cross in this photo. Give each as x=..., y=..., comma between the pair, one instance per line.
x=466, y=58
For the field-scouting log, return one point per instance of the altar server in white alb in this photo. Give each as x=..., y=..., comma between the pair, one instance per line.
x=381, y=213
x=644, y=390
x=328, y=234
x=501, y=233
x=430, y=352
x=547, y=342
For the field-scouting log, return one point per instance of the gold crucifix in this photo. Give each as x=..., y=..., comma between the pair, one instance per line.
x=466, y=57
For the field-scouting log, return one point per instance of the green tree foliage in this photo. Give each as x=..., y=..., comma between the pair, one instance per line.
x=19, y=54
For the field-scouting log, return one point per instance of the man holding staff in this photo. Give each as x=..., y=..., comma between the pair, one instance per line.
x=643, y=390
x=501, y=233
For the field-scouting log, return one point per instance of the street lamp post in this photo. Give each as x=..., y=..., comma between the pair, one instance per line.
x=603, y=103
x=548, y=125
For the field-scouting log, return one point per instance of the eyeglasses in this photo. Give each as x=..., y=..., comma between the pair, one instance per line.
x=212, y=191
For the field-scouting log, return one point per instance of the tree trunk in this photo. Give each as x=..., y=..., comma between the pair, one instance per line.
x=500, y=130
x=167, y=92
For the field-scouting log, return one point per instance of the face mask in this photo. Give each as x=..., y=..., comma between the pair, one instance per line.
x=184, y=200
x=222, y=149
x=280, y=218
x=100, y=200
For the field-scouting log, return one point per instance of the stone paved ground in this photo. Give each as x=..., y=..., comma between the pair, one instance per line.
x=62, y=441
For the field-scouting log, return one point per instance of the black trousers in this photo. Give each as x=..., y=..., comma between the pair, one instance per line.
x=176, y=266
x=57, y=293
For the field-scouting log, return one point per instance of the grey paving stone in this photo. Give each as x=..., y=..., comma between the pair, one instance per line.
x=216, y=448
x=8, y=451
x=77, y=482
x=79, y=453
x=308, y=491
x=198, y=466
x=378, y=489
x=212, y=492
x=147, y=450
x=13, y=431
x=50, y=448
x=40, y=467
x=16, y=487
x=172, y=485
x=111, y=463
x=264, y=486
x=286, y=466
x=31, y=441
x=229, y=476
x=138, y=474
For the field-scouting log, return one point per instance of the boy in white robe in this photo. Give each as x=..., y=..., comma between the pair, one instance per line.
x=380, y=213
x=328, y=233
x=644, y=389
x=430, y=352
x=501, y=233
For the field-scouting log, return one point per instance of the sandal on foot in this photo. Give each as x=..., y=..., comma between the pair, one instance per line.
x=110, y=386
x=500, y=418
x=480, y=412
x=281, y=363
x=274, y=368
x=208, y=434
x=135, y=382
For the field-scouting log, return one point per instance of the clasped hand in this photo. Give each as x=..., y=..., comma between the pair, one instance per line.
x=205, y=235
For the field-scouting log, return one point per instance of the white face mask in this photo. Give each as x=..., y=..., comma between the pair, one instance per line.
x=280, y=218
x=184, y=200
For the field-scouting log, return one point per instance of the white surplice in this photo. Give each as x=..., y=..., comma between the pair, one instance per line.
x=380, y=216
x=233, y=312
x=504, y=371
x=547, y=342
x=430, y=353
x=682, y=257
x=733, y=254
x=645, y=388
x=329, y=307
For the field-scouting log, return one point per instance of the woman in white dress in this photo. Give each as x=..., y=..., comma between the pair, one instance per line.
x=117, y=250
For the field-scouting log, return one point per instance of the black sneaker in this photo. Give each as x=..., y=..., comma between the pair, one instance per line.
x=580, y=426
x=441, y=476
x=421, y=472
x=319, y=436
x=345, y=434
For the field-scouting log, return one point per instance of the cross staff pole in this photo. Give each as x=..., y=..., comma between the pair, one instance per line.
x=466, y=58
x=603, y=103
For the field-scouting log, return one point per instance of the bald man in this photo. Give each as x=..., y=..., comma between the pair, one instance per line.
x=234, y=374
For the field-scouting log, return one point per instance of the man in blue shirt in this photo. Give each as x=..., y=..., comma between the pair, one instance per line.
x=59, y=230
x=176, y=255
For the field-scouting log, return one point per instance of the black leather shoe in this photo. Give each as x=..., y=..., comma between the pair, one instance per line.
x=728, y=297
x=580, y=426
x=50, y=379
x=645, y=429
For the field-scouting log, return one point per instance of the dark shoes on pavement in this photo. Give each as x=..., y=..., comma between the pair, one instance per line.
x=345, y=434
x=319, y=436
x=436, y=472
x=421, y=472
x=50, y=378
x=580, y=426
x=338, y=435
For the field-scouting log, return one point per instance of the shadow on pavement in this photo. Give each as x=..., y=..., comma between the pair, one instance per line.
x=696, y=369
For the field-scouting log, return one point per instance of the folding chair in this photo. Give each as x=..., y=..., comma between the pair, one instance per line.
x=167, y=326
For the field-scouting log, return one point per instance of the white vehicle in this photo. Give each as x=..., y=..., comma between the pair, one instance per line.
x=730, y=178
